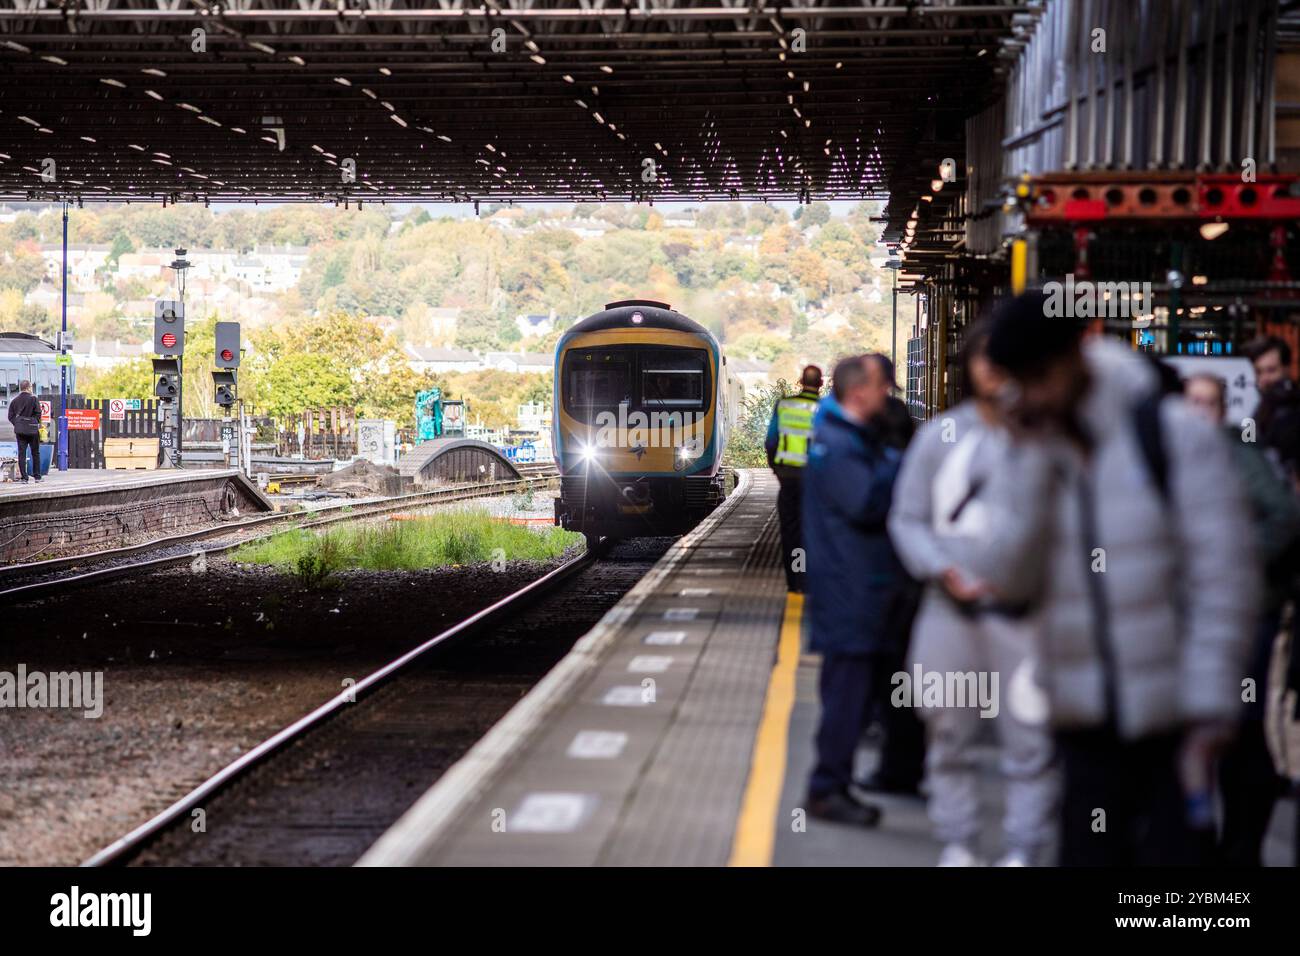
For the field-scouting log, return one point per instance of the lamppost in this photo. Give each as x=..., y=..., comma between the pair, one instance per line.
x=62, y=359
x=180, y=264
x=893, y=265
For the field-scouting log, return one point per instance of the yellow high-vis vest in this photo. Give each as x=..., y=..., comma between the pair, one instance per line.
x=794, y=421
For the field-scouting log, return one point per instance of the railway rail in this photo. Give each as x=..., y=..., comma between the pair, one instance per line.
x=321, y=790
x=40, y=578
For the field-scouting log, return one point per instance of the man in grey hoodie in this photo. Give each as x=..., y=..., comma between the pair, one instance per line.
x=1125, y=522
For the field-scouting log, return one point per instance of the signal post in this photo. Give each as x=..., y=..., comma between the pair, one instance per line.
x=226, y=356
x=169, y=346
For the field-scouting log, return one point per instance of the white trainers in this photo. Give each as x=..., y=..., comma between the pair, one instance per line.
x=1014, y=858
x=959, y=854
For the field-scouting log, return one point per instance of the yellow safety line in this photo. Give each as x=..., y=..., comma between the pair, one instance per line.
x=756, y=825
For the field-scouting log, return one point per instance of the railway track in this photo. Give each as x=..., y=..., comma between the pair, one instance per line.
x=322, y=790
x=41, y=578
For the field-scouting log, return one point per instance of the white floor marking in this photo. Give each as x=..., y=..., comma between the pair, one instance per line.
x=597, y=744
x=625, y=695
x=551, y=813
x=664, y=637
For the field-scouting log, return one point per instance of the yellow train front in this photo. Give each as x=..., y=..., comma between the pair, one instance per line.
x=643, y=406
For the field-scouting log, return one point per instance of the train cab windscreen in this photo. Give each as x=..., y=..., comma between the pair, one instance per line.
x=602, y=379
x=673, y=379
x=596, y=380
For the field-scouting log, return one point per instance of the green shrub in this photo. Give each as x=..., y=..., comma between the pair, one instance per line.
x=448, y=538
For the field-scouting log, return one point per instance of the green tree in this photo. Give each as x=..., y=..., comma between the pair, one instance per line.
x=132, y=379
x=302, y=380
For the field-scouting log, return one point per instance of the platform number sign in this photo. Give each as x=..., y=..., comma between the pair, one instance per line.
x=117, y=409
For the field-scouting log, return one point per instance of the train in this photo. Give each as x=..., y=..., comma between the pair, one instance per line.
x=25, y=357
x=644, y=404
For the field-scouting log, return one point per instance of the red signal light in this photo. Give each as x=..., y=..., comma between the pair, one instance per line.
x=168, y=340
x=227, y=355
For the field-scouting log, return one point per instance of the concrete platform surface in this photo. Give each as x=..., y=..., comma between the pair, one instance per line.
x=95, y=480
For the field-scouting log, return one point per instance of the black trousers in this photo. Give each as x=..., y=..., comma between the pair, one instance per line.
x=1123, y=803
x=845, y=685
x=1247, y=780
x=902, y=752
x=33, y=442
x=789, y=503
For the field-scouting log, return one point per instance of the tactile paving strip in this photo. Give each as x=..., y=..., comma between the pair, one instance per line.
x=637, y=751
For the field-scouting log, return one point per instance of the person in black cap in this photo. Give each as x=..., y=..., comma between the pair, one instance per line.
x=1119, y=516
x=788, y=437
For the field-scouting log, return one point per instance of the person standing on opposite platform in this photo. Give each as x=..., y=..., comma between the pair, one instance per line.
x=852, y=576
x=25, y=416
x=788, y=436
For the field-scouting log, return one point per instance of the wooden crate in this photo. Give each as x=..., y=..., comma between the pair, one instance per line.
x=131, y=454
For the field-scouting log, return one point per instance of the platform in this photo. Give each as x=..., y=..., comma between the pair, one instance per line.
x=679, y=731
x=84, y=509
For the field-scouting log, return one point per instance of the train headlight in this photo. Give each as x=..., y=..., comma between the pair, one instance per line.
x=587, y=454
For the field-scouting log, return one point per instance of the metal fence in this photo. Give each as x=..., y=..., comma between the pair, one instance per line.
x=86, y=446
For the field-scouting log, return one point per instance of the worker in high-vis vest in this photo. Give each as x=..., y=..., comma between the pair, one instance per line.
x=788, y=438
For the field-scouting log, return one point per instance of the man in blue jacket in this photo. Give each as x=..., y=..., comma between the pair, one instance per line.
x=853, y=574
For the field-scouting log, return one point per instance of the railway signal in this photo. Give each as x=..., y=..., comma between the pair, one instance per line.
x=167, y=389
x=225, y=355
x=224, y=388
x=227, y=351
x=168, y=327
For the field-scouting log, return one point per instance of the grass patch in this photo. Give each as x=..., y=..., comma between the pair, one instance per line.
x=449, y=538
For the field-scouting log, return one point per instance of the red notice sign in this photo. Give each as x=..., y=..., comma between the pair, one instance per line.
x=83, y=419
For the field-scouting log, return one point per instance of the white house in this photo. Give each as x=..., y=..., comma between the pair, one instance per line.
x=752, y=374
x=145, y=264
x=529, y=363
x=426, y=359
x=106, y=354
x=84, y=260
x=585, y=228
x=271, y=269
x=531, y=325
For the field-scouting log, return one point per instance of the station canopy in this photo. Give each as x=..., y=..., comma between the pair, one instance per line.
x=195, y=100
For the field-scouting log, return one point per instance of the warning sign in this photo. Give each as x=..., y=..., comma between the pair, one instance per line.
x=117, y=409
x=83, y=419
x=46, y=411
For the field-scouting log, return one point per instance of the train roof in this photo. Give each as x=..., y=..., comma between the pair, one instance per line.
x=654, y=315
x=23, y=342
